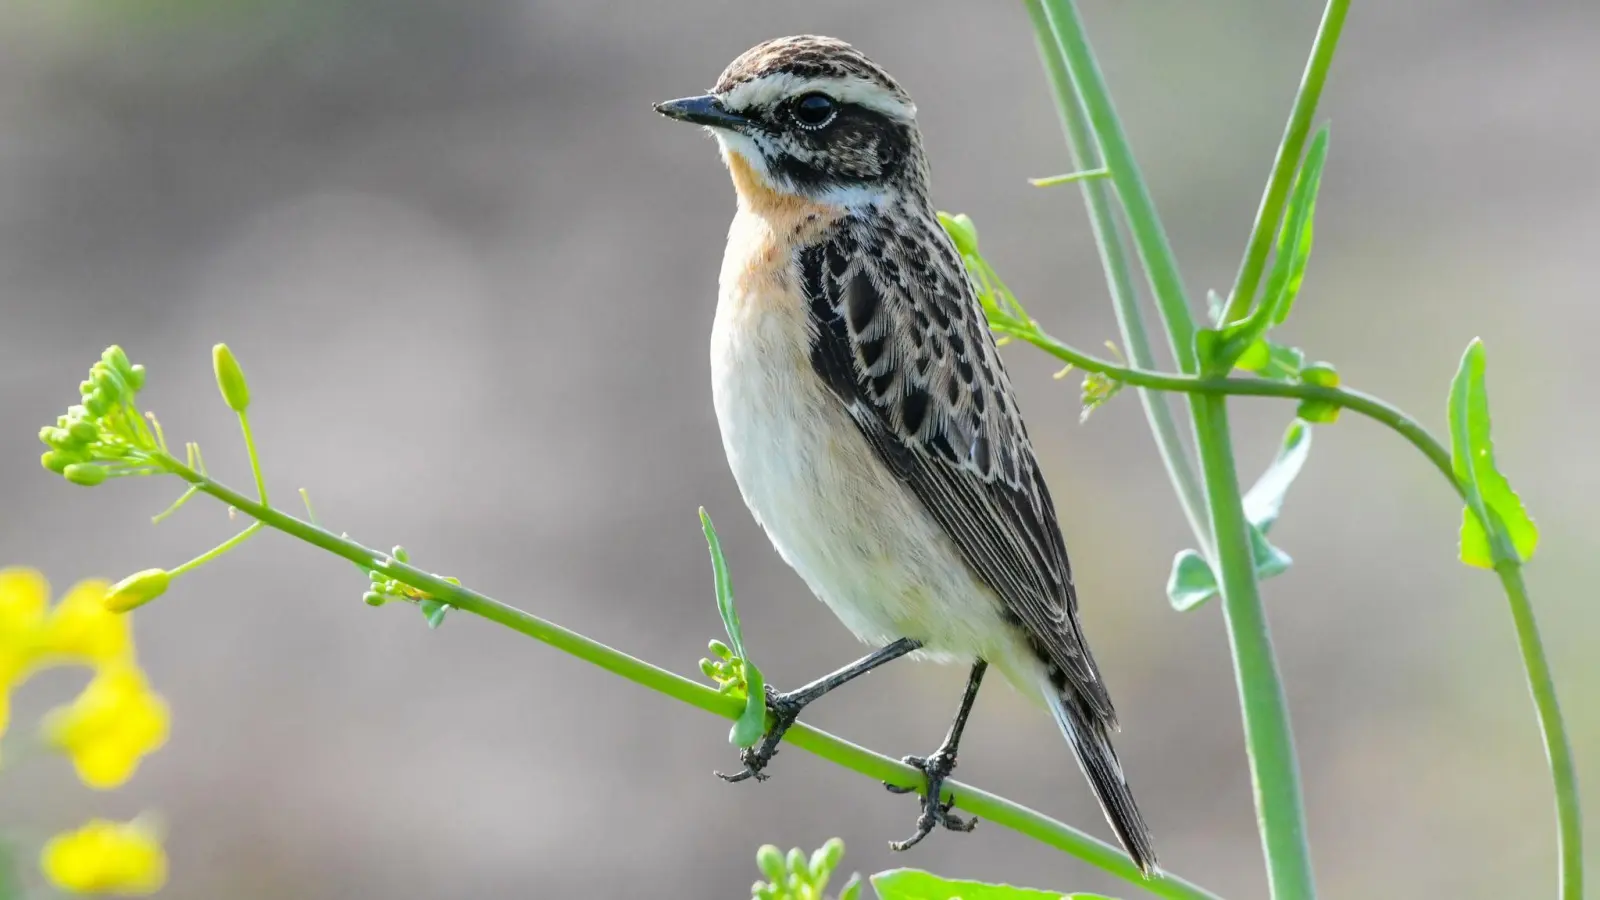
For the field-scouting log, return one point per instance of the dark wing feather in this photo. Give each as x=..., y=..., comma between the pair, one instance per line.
x=901, y=340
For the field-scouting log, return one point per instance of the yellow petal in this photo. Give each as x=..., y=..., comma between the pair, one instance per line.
x=24, y=594
x=110, y=727
x=81, y=628
x=106, y=857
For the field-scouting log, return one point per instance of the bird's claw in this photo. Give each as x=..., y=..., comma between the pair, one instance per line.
x=935, y=812
x=784, y=711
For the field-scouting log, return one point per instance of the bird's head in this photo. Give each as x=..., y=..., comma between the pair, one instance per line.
x=812, y=117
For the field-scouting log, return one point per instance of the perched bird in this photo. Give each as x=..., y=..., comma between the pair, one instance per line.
x=867, y=416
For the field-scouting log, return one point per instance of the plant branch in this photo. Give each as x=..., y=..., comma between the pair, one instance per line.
x=1557, y=747
x=997, y=809
x=1355, y=401
x=1097, y=200
x=1263, y=233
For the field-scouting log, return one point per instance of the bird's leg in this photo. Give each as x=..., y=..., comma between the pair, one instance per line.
x=937, y=768
x=785, y=707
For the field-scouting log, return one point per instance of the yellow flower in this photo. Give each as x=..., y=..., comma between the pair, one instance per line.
x=115, y=722
x=24, y=594
x=106, y=857
x=80, y=627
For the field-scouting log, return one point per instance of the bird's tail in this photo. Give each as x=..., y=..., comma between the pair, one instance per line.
x=1091, y=743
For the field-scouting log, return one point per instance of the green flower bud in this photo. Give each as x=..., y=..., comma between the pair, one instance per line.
x=116, y=359
x=59, y=438
x=826, y=858
x=83, y=431
x=795, y=863
x=770, y=859
x=86, y=474
x=136, y=378
x=962, y=232
x=58, y=460
x=85, y=388
x=709, y=669
x=373, y=598
x=720, y=650
x=97, y=404
x=399, y=554
x=230, y=378
x=106, y=381
x=1320, y=374
x=137, y=589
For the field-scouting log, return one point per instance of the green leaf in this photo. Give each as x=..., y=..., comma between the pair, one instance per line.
x=915, y=884
x=1270, y=359
x=752, y=723
x=1490, y=498
x=852, y=889
x=1264, y=501
x=433, y=611
x=1294, y=235
x=1192, y=582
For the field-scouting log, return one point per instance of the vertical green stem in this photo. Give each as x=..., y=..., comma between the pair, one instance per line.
x=1149, y=238
x=1085, y=155
x=1268, y=738
x=255, y=460
x=1569, y=819
x=1265, y=230
x=1274, y=772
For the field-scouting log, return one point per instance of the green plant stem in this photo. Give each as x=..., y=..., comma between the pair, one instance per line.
x=1557, y=748
x=1130, y=321
x=1070, y=177
x=1268, y=737
x=996, y=809
x=1264, y=232
x=255, y=461
x=1345, y=398
x=1274, y=772
x=1155, y=252
x=219, y=549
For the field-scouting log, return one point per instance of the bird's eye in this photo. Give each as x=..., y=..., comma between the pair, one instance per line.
x=814, y=110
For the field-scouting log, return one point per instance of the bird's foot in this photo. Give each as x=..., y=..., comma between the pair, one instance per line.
x=785, y=710
x=935, y=812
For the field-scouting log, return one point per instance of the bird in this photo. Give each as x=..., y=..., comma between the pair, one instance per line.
x=868, y=419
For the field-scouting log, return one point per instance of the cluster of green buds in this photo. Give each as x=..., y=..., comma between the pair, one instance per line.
x=725, y=668
x=385, y=589
x=794, y=877
x=104, y=436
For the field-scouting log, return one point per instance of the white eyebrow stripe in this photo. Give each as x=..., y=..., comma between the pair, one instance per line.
x=770, y=89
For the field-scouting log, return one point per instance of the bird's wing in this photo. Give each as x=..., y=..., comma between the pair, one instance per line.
x=900, y=338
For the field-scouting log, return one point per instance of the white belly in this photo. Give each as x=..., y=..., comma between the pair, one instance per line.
x=859, y=538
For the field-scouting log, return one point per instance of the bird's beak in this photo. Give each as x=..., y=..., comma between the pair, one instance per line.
x=703, y=110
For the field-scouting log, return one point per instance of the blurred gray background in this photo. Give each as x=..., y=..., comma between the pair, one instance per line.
x=471, y=276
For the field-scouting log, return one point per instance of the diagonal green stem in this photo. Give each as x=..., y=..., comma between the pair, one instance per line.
x=997, y=809
x=1263, y=233
x=1130, y=321
x=1264, y=708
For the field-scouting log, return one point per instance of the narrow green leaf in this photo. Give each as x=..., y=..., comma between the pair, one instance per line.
x=1295, y=234
x=1191, y=583
x=752, y=723
x=433, y=611
x=852, y=889
x=1489, y=495
x=1269, y=560
x=915, y=884
x=724, y=585
x=1264, y=501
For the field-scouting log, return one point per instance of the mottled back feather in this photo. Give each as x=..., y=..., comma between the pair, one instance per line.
x=902, y=341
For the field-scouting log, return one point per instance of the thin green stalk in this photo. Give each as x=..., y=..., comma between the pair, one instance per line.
x=1130, y=321
x=1161, y=268
x=218, y=550
x=1557, y=748
x=1365, y=404
x=1274, y=772
x=1264, y=232
x=1070, y=177
x=876, y=766
x=255, y=461
x=1268, y=737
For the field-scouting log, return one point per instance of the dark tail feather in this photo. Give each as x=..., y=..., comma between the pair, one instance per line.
x=1091, y=743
